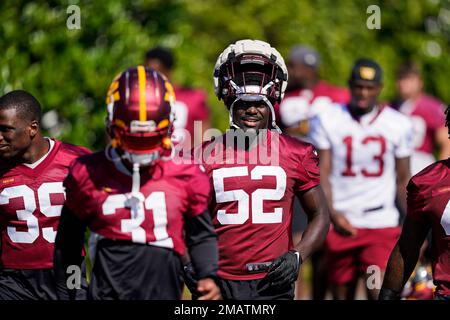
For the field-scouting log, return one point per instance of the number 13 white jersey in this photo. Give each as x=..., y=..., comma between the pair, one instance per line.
x=363, y=176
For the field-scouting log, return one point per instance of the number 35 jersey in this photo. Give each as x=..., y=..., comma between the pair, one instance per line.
x=31, y=200
x=363, y=176
x=253, y=198
x=98, y=193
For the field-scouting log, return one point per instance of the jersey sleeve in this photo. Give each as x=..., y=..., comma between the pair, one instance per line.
x=75, y=184
x=199, y=190
x=317, y=134
x=405, y=145
x=308, y=170
x=415, y=201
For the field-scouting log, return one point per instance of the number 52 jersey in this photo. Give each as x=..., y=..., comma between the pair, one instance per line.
x=253, y=198
x=31, y=200
x=98, y=193
x=363, y=177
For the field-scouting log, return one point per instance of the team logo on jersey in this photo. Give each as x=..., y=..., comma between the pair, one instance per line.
x=8, y=181
x=367, y=73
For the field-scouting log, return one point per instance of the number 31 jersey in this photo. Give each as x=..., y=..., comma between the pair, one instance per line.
x=98, y=193
x=363, y=177
x=31, y=200
x=253, y=198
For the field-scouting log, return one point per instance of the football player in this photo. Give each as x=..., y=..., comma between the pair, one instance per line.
x=32, y=170
x=428, y=209
x=190, y=105
x=253, y=194
x=364, y=154
x=138, y=202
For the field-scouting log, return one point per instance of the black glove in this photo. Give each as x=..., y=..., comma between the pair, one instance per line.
x=284, y=270
x=388, y=294
x=189, y=278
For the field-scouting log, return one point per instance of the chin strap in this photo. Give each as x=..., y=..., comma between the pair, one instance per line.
x=135, y=198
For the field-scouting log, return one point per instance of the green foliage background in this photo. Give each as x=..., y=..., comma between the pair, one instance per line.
x=69, y=70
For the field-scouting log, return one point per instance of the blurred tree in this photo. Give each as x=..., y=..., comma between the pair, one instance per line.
x=69, y=70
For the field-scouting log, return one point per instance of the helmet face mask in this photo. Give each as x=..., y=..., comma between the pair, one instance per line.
x=139, y=142
x=250, y=70
x=140, y=115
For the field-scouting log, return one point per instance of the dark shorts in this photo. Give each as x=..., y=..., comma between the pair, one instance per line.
x=253, y=290
x=30, y=284
x=128, y=271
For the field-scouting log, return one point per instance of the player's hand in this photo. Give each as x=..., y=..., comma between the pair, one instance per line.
x=342, y=225
x=189, y=278
x=208, y=289
x=284, y=270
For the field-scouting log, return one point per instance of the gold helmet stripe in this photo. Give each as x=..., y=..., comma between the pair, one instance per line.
x=142, y=93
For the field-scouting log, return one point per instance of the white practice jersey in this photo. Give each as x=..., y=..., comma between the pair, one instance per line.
x=363, y=177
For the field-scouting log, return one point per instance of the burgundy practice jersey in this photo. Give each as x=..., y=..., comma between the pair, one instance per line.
x=190, y=106
x=429, y=200
x=98, y=193
x=30, y=205
x=253, y=198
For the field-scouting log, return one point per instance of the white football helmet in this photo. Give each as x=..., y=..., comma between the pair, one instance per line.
x=250, y=70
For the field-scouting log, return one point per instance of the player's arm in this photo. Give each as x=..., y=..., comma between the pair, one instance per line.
x=314, y=204
x=405, y=254
x=442, y=140
x=404, y=257
x=403, y=174
x=341, y=224
x=201, y=241
x=68, y=251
